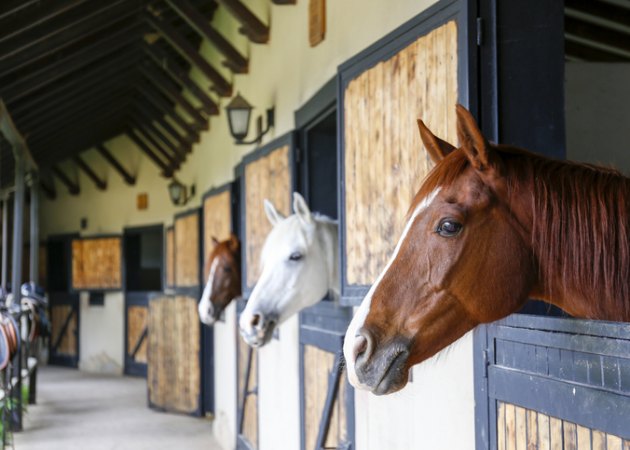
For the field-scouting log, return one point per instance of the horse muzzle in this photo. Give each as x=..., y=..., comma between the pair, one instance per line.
x=380, y=369
x=257, y=329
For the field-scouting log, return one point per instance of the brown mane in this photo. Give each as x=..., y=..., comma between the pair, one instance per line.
x=581, y=224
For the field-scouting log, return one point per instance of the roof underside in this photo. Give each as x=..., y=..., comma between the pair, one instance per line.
x=75, y=73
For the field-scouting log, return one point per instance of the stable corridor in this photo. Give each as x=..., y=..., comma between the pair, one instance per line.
x=76, y=410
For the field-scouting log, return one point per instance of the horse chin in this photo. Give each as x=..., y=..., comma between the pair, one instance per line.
x=258, y=338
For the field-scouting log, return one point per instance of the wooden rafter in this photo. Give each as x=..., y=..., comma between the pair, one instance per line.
x=118, y=167
x=188, y=52
x=172, y=92
x=73, y=187
x=149, y=114
x=235, y=61
x=180, y=75
x=251, y=25
x=164, y=167
x=67, y=66
x=173, y=159
x=162, y=105
x=36, y=45
x=98, y=181
x=598, y=36
x=48, y=186
x=171, y=144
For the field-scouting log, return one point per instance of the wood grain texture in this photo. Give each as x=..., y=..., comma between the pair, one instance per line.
x=318, y=367
x=217, y=220
x=187, y=250
x=170, y=257
x=137, y=317
x=542, y=432
x=385, y=162
x=68, y=343
x=173, y=365
x=250, y=416
x=96, y=263
x=269, y=178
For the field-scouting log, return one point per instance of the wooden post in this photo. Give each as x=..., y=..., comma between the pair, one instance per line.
x=34, y=241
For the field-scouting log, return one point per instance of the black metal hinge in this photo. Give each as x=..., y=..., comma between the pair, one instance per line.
x=479, y=31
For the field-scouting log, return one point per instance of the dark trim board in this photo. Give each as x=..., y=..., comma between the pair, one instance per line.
x=241, y=441
x=324, y=325
x=286, y=139
x=465, y=12
x=165, y=282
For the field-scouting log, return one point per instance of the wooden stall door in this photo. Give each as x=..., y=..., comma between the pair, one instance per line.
x=268, y=174
x=173, y=353
x=97, y=263
x=136, y=332
x=327, y=399
x=64, y=325
x=412, y=73
x=247, y=397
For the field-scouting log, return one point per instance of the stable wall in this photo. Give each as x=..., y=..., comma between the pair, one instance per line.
x=283, y=73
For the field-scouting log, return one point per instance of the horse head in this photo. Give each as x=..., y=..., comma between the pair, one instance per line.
x=299, y=267
x=463, y=259
x=223, y=284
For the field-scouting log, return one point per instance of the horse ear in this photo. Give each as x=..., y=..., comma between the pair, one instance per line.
x=301, y=208
x=215, y=241
x=234, y=243
x=272, y=213
x=472, y=141
x=436, y=147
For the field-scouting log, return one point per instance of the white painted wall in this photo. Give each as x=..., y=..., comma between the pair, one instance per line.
x=225, y=379
x=598, y=112
x=102, y=335
x=436, y=411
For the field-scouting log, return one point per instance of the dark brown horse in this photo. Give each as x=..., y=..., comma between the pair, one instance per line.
x=223, y=269
x=491, y=227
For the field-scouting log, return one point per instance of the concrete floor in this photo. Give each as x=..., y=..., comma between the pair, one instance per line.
x=76, y=410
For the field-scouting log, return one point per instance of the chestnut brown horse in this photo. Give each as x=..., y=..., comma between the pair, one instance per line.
x=490, y=227
x=223, y=269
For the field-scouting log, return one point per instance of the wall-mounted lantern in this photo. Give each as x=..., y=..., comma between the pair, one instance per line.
x=239, y=111
x=179, y=193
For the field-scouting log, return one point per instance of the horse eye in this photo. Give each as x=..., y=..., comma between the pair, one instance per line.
x=295, y=256
x=227, y=268
x=449, y=228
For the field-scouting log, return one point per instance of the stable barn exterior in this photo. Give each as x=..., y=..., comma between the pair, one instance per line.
x=345, y=136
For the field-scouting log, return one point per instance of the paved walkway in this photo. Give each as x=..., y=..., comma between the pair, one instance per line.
x=76, y=410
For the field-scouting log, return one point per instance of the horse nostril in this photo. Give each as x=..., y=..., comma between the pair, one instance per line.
x=256, y=319
x=363, y=345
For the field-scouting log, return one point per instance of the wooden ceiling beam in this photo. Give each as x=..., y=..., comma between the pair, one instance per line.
x=164, y=167
x=251, y=25
x=99, y=182
x=48, y=186
x=44, y=12
x=149, y=114
x=598, y=11
x=598, y=34
x=73, y=186
x=67, y=66
x=74, y=99
x=166, y=87
x=151, y=128
x=78, y=121
x=235, y=61
x=95, y=78
x=172, y=157
x=162, y=104
x=220, y=85
x=180, y=75
x=61, y=112
x=11, y=7
x=14, y=56
x=118, y=167
x=65, y=147
x=585, y=53
x=284, y=2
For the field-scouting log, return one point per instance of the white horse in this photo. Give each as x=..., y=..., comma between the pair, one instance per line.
x=299, y=267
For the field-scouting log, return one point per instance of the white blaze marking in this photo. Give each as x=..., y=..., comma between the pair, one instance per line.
x=359, y=318
x=204, y=303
